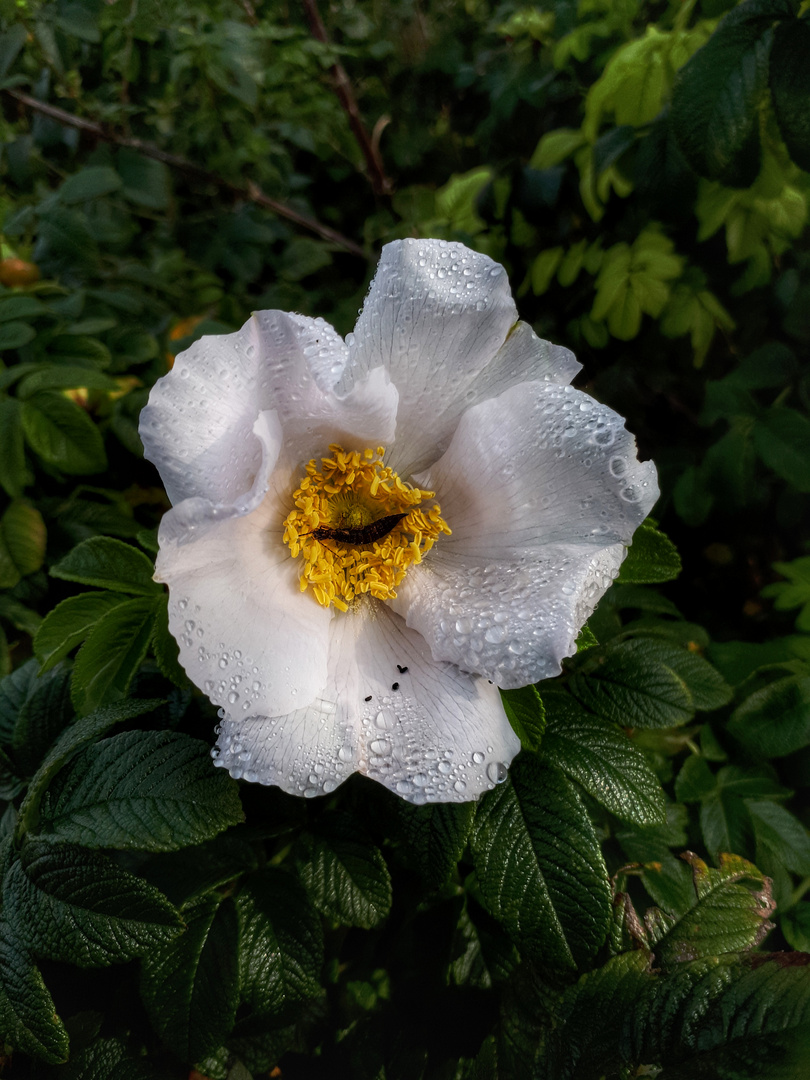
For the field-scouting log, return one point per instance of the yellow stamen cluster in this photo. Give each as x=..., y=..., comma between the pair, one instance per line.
x=346, y=493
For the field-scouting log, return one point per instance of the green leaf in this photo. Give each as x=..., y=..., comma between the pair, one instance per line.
x=525, y=712
x=22, y=543
x=651, y=558
x=718, y=92
x=188, y=874
x=774, y=721
x=14, y=475
x=69, y=623
x=146, y=182
x=790, y=87
x=725, y=1018
x=727, y=917
x=695, y=780
x=631, y=683
x=782, y=440
x=42, y=716
x=10, y=44
x=281, y=946
x=109, y=564
x=72, y=739
x=724, y=823
x=90, y=183
x=149, y=790
x=79, y=907
x=190, y=985
x=540, y=867
x=165, y=647
x=15, y=334
x=65, y=378
x=795, y=925
x=62, y=434
x=781, y=834
x=344, y=872
x=435, y=836
x=591, y=751
x=28, y=1017
x=113, y=652
x=665, y=878
x=14, y=689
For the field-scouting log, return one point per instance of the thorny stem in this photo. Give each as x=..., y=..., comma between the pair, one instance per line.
x=251, y=192
x=380, y=183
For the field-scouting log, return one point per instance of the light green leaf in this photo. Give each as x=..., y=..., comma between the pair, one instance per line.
x=109, y=564
x=651, y=558
x=190, y=985
x=80, y=907
x=69, y=623
x=540, y=867
x=344, y=872
x=112, y=653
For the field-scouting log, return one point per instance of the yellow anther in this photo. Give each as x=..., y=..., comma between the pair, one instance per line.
x=359, y=527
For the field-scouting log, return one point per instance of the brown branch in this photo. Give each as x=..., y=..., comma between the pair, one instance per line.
x=250, y=192
x=380, y=183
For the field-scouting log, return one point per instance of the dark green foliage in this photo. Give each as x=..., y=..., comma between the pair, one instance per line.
x=642, y=172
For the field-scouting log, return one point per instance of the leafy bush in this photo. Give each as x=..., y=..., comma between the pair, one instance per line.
x=642, y=172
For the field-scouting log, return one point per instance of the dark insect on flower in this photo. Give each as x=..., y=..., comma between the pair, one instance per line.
x=375, y=530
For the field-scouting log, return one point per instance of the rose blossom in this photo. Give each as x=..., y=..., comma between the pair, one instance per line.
x=369, y=537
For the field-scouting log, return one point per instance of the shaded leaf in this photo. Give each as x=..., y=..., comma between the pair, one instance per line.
x=28, y=1017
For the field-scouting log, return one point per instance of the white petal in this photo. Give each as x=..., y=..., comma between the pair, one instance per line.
x=247, y=635
x=198, y=426
x=441, y=736
x=435, y=316
x=543, y=491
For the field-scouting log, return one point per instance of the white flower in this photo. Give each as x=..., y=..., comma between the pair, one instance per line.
x=510, y=495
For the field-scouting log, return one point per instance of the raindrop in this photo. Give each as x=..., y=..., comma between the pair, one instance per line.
x=497, y=772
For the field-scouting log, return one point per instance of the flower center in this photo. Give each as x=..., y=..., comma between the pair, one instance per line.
x=358, y=527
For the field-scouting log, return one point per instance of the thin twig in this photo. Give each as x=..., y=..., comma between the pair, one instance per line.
x=250, y=192
x=380, y=183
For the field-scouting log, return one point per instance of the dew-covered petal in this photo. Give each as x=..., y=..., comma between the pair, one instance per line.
x=247, y=635
x=543, y=491
x=198, y=426
x=436, y=315
x=425, y=730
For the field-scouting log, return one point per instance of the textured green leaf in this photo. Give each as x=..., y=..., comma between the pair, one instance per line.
x=790, y=87
x=591, y=751
x=727, y=917
x=14, y=475
x=630, y=683
x=434, y=837
x=718, y=92
x=781, y=834
x=112, y=653
x=62, y=434
x=90, y=183
x=782, y=440
x=43, y=714
x=540, y=867
x=149, y=790
x=651, y=558
x=72, y=739
x=695, y=780
x=774, y=721
x=344, y=872
x=82, y=908
x=724, y=822
x=69, y=623
x=165, y=647
x=190, y=985
x=14, y=689
x=281, y=946
x=109, y=564
x=726, y=1018
x=525, y=712
x=28, y=1017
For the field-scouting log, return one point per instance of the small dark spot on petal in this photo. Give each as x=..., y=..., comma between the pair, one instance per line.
x=395, y=686
x=368, y=698
x=401, y=669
